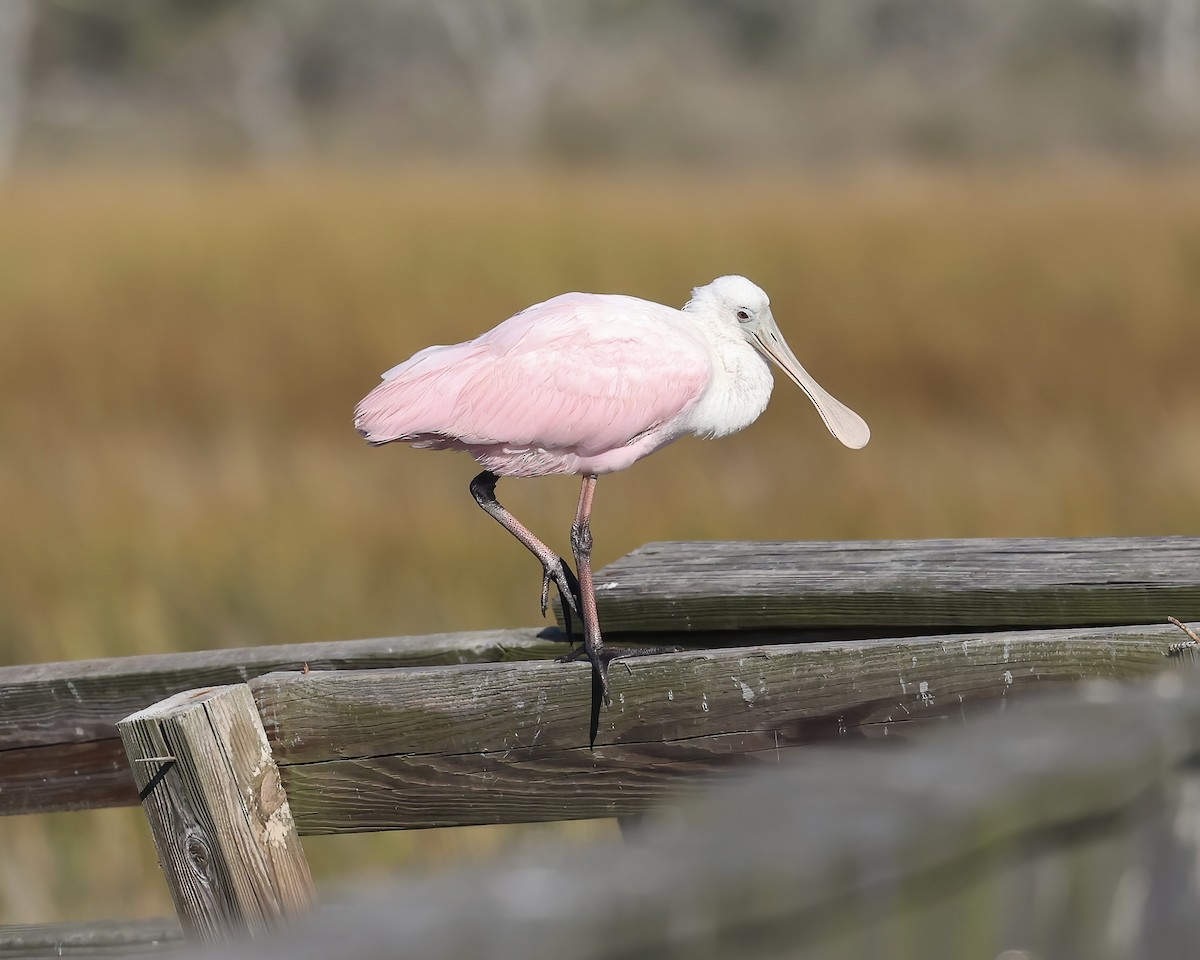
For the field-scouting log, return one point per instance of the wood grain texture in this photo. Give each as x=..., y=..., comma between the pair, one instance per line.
x=1065, y=827
x=501, y=743
x=59, y=748
x=902, y=585
x=68, y=776
x=221, y=822
x=60, y=718
x=98, y=938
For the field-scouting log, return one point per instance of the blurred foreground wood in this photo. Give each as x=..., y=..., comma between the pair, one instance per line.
x=781, y=655
x=94, y=938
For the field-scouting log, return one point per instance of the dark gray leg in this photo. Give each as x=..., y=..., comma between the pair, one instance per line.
x=483, y=489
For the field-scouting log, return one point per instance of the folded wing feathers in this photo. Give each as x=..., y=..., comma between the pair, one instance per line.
x=571, y=373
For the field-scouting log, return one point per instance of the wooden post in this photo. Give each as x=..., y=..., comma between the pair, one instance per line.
x=225, y=835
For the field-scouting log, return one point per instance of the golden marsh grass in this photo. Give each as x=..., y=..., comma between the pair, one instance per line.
x=179, y=358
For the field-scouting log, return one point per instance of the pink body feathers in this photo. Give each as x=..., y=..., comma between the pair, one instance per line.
x=583, y=383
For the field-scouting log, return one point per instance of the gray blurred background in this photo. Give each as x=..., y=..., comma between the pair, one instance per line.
x=705, y=82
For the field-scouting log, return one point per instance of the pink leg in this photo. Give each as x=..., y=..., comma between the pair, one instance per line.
x=581, y=546
x=483, y=489
x=597, y=651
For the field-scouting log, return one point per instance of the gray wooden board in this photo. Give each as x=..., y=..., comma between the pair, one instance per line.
x=97, y=938
x=923, y=584
x=220, y=820
x=1086, y=801
x=509, y=742
x=59, y=748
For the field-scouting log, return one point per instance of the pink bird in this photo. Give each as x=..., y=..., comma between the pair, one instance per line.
x=587, y=384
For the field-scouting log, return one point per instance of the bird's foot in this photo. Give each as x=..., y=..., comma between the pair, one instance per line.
x=601, y=655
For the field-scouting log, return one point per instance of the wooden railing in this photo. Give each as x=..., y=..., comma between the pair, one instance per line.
x=59, y=747
x=1068, y=828
x=787, y=645
x=899, y=587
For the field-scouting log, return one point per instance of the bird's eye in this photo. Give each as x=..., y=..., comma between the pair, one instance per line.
x=743, y=315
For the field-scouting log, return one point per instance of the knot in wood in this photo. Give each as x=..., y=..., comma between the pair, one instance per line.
x=199, y=855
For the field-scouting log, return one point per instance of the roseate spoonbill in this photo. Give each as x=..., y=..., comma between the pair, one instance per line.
x=587, y=384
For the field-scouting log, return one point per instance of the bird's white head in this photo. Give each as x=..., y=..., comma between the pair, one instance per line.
x=746, y=306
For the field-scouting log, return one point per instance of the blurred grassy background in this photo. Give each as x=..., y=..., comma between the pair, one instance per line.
x=180, y=355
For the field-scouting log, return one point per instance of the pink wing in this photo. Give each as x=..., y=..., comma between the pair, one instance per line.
x=585, y=373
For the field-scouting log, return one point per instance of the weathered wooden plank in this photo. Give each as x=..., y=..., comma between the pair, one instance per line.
x=219, y=816
x=54, y=710
x=97, y=938
x=1065, y=828
x=502, y=743
x=919, y=585
x=67, y=776
x=45, y=703
x=59, y=748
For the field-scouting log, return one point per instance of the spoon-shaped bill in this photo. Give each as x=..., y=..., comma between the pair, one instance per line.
x=842, y=422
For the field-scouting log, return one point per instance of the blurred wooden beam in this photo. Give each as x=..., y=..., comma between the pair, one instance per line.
x=93, y=938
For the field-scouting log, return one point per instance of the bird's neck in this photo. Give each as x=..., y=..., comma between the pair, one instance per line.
x=740, y=385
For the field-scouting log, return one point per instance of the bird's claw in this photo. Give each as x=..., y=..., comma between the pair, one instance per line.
x=598, y=658
x=601, y=655
x=568, y=587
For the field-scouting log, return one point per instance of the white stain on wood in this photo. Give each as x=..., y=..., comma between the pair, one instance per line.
x=747, y=693
x=279, y=828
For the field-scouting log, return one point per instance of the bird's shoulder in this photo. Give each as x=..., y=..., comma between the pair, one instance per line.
x=596, y=324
